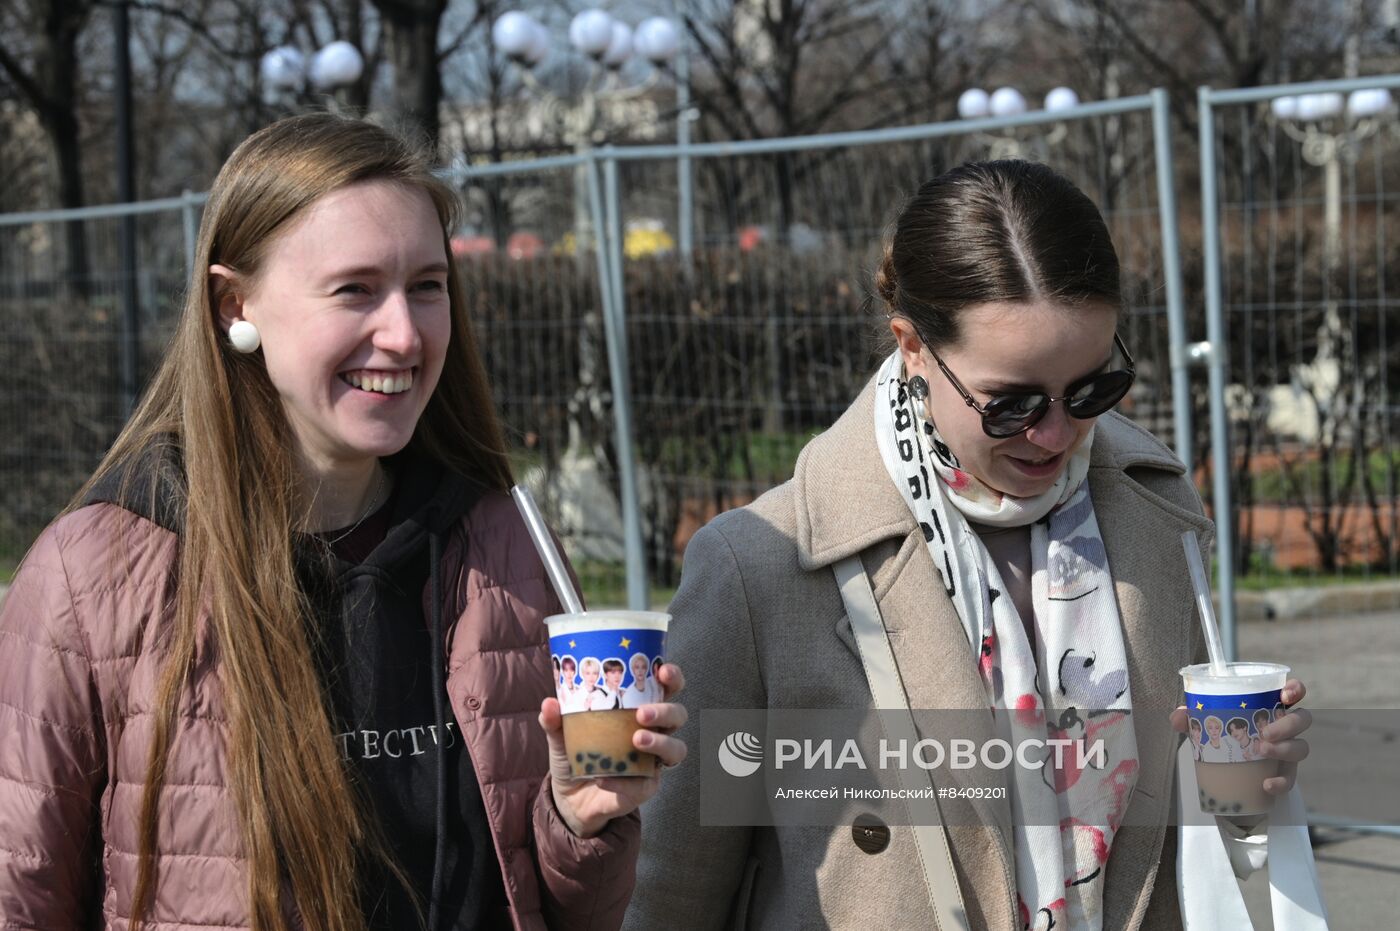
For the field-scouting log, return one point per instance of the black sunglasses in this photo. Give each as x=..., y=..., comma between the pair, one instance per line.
x=1011, y=414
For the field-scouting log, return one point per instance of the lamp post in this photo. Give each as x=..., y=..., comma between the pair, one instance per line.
x=610, y=43
x=1330, y=128
x=287, y=71
x=975, y=104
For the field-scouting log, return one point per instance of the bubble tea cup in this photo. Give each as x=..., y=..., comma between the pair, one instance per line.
x=1226, y=714
x=607, y=663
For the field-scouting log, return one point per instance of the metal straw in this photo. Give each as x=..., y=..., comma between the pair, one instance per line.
x=544, y=544
x=1192, y=545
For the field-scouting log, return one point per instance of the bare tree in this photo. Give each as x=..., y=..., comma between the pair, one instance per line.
x=411, y=34
x=39, y=56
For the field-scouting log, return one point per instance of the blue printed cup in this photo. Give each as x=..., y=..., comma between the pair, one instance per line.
x=1226, y=715
x=606, y=665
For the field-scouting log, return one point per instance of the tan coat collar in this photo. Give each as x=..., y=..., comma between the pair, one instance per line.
x=846, y=501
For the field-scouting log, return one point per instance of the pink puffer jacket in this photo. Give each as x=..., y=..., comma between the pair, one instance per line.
x=77, y=677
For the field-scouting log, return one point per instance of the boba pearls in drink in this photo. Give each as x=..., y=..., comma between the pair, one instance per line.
x=607, y=663
x=1226, y=714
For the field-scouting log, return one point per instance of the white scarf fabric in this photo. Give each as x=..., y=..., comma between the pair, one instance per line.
x=1065, y=818
x=1206, y=889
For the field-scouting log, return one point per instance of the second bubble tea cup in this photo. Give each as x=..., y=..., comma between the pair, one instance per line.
x=607, y=663
x=1227, y=709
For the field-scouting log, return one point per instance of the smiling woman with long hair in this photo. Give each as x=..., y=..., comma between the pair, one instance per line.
x=282, y=662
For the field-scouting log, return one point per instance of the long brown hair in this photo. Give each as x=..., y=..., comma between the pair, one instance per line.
x=299, y=817
x=1006, y=231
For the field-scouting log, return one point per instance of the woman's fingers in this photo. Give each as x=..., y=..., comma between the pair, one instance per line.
x=1290, y=751
x=1278, y=785
x=551, y=719
x=671, y=679
x=1179, y=719
x=662, y=717
x=1293, y=692
x=669, y=750
x=1287, y=726
x=552, y=723
x=661, y=720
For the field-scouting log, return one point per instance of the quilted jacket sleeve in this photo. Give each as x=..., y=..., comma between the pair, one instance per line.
x=52, y=765
x=586, y=882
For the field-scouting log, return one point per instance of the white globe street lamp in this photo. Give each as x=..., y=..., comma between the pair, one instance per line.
x=591, y=32
x=611, y=43
x=286, y=70
x=1368, y=103
x=976, y=104
x=973, y=104
x=1007, y=101
x=539, y=45
x=337, y=65
x=656, y=40
x=283, y=68
x=514, y=34
x=1320, y=106
x=1061, y=99
x=619, y=46
x=1284, y=108
x=1330, y=128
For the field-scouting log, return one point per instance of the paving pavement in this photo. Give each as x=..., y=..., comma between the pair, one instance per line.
x=1348, y=662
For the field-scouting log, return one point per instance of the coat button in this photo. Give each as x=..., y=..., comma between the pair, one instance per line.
x=870, y=834
x=474, y=703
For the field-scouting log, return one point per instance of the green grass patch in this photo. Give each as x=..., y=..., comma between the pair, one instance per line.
x=1271, y=579
x=605, y=586
x=760, y=457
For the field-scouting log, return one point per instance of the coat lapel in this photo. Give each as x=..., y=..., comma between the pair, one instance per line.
x=847, y=504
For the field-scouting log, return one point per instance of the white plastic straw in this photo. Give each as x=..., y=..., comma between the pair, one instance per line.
x=1203, y=602
x=544, y=543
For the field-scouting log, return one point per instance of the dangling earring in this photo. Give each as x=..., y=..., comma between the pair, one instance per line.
x=918, y=389
x=244, y=336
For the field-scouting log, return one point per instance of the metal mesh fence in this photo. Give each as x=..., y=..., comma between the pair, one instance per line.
x=62, y=330
x=530, y=271
x=1310, y=298
x=742, y=355
x=738, y=353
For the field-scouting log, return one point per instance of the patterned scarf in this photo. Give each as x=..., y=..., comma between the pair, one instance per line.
x=1065, y=817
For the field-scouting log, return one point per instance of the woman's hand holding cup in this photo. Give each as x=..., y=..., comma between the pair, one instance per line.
x=1280, y=740
x=587, y=805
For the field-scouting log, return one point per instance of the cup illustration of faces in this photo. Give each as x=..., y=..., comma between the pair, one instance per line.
x=593, y=683
x=1230, y=738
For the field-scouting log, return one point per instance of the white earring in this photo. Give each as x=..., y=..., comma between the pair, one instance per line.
x=244, y=336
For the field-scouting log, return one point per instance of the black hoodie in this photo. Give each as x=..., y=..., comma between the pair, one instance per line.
x=385, y=679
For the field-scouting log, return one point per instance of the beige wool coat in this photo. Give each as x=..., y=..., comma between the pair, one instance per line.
x=761, y=577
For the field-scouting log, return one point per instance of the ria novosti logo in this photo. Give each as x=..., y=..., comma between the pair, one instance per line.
x=741, y=754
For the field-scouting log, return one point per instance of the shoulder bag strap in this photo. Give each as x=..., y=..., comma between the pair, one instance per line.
x=930, y=838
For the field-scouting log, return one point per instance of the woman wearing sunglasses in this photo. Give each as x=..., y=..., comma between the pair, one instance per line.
x=1020, y=544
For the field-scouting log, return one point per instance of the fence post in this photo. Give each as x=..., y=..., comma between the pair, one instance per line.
x=1219, y=359
x=1171, y=271
x=685, y=206
x=608, y=241
x=188, y=200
